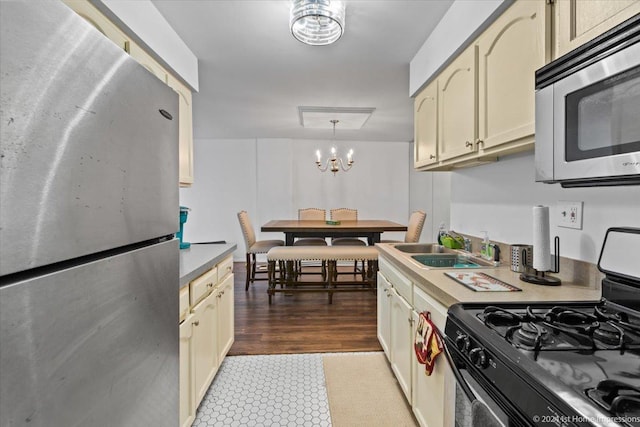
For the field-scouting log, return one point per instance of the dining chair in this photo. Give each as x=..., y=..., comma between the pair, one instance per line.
x=311, y=214
x=414, y=228
x=347, y=214
x=254, y=247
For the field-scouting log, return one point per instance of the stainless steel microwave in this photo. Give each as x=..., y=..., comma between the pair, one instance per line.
x=588, y=112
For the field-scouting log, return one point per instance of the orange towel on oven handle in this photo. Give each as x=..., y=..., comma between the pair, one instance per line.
x=427, y=343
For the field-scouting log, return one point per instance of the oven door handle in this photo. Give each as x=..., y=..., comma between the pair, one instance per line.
x=456, y=371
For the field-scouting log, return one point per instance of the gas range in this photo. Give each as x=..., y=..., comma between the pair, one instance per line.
x=557, y=363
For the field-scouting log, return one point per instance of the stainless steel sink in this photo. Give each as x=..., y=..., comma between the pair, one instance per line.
x=422, y=248
x=449, y=261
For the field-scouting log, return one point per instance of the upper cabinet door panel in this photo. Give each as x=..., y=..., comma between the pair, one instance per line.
x=509, y=52
x=457, y=107
x=426, y=126
x=578, y=21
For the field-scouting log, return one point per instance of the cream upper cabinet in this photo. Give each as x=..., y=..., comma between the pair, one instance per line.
x=149, y=63
x=426, y=126
x=509, y=53
x=93, y=16
x=578, y=21
x=186, y=131
x=457, y=106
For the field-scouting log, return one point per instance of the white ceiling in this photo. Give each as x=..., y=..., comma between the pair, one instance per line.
x=254, y=75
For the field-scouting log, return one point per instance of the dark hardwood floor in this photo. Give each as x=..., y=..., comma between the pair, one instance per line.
x=301, y=323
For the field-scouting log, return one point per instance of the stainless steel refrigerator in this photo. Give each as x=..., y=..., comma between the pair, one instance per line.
x=88, y=209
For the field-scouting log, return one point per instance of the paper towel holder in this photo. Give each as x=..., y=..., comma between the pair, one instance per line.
x=539, y=277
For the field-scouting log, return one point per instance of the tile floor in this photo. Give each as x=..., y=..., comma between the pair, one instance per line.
x=270, y=390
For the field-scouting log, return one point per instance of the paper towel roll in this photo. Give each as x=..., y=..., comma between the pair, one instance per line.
x=541, y=239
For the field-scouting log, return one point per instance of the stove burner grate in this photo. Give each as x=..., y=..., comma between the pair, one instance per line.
x=616, y=397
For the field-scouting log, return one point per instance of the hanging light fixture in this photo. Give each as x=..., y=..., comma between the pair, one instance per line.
x=334, y=163
x=317, y=22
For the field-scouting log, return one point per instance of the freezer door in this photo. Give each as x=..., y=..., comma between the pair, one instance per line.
x=93, y=345
x=87, y=160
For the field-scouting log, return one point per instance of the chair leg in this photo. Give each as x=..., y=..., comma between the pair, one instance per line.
x=253, y=267
x=246, y=287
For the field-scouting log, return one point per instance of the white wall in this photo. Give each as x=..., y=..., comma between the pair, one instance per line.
x=430, y=192
x=499, y=198
x=464, y=21
x=145, y=21
x=272, y=178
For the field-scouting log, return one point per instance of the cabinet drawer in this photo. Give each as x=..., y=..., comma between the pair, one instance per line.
x=399, y=281
x=184, y=302
x=200, y=287
x=225, y=268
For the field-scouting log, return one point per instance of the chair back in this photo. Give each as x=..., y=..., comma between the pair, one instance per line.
x=311, y=214
x=414, y=229
x=344, y=214
x=247, y=229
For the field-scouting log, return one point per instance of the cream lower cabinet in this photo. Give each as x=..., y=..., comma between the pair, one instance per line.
x=206, y=334
x=187, y=386
x=384, y=314
x=578, y=21
x=226, y=327
x=205, y=344
x=431, y=397
x=401, y=343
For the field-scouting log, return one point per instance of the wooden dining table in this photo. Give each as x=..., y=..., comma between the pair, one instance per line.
x=371, y=229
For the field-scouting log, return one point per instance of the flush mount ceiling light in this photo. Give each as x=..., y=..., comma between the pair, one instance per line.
x=317, y=22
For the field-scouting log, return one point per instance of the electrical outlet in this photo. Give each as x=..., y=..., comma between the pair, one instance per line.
x=570, y=214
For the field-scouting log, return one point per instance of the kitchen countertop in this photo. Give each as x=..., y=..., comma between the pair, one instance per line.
x=448, y=292
x=199, y=258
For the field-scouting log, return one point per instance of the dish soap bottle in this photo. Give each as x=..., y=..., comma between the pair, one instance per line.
x=441, y=233
x=484, y=246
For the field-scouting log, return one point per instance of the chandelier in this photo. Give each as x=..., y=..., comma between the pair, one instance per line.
x=317, y=22
x=334, y=163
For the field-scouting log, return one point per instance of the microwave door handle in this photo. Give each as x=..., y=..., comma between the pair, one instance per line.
x=456, y=371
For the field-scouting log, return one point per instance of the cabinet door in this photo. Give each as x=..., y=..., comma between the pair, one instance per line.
x=94, y=17
x=187, y=389
x=428, y=392
x=148, y=62
x=426, y=126
x=205, y=344
x=224, y=294
x=509, y=52
x=384, y=314
x=186, y=131
x=457, y=107
x=578, y=21
x=401, y=342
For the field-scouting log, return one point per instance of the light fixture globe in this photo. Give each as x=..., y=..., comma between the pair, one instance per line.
x=317, y=22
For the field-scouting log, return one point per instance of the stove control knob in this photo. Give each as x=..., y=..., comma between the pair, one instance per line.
x=479, y=358
x=463, y=343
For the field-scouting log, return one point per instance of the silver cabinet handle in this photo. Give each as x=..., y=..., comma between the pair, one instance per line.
x=478, y=142
x=431, y=156
x=468, y=144
x=196, y=323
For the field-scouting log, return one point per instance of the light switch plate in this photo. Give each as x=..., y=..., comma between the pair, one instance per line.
x=570, y=215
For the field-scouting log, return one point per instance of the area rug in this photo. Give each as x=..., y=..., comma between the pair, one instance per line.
x=363, y=391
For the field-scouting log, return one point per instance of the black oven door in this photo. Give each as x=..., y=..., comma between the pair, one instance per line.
x=478, y=403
